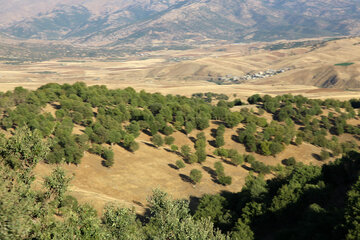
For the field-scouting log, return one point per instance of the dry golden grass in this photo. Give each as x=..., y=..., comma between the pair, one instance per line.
x=134, y=175
x=157, y=73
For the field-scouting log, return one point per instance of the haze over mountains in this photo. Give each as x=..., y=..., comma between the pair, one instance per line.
x=110, y=22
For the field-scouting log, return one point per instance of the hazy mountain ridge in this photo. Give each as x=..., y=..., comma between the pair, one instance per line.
x=171, y=21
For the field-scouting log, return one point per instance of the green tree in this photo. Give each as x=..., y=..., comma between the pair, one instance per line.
x=134, y=146
x=169, y=140
x=298, y=141
x=57, y=184
x=232, y=119
x=237, y=159
x=275, y=148
x=174, y=148
x=242, y=231
x=108, y=155
x=25, y=149
x=289, y=161
x=219, y=168
x=219, y=141
x=214, y=207
x=201, y=154
x=188, y=127
x=225, y=180
x=121, y=223
x=185, y=151
x=193, y=158
x=172, y=220
x=168, y=130
x=202, y=123
x=324, y=155
x=157, y=140
x=195, y=175
x=352, y=212
x=180, y=164
x=265, y=148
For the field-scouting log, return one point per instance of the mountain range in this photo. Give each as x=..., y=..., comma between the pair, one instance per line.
x=151, y=22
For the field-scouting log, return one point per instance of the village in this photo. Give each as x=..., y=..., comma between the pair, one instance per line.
x=229, y=79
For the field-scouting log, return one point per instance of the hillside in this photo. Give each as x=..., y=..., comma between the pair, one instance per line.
x=284, y=167
x=107, y=136
x=186, y=22
x=323, y=63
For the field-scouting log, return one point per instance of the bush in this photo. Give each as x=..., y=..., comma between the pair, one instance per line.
x=169, y=140
x=219, y=168
x=249, y=158
x=221, y=152
x=298, y=141
x=201, y=155
x=168, y=130
x=324, y=155
x=108, y=155
x=185, y=151
x=225, y=180
x=174, y=148
x=219, y=141
x=180, y=164
x=96, y=149
x=157, y=140
x=237, y=159
x=289, y=161
x=195, y=175
x=134, y=146
x=260, y=167
x=193, y=158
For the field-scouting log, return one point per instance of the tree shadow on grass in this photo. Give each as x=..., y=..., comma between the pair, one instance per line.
x=150, y=144
x=235, y=138
x=210, y=171
x=218, y=122
x=316, y=156
x=185, y=178
x=213, y=133
x=138, y=203
x=212, y=174
x=175, y=152
x=56, y=106
x=229, y=162
x=147, y=132
x=173, y=166
x=193, y=203
x=192, y=139
x=144, y=218
x=247, y=168
x=212, y=143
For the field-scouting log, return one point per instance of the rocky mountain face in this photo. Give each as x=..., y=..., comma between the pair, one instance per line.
x=113, y=22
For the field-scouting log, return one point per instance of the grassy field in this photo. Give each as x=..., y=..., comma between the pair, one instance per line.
x=133, y=175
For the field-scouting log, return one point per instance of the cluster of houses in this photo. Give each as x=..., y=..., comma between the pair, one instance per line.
x=180, y=59
x=229, y=79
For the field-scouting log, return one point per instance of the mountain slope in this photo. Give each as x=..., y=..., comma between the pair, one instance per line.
x=143, y=21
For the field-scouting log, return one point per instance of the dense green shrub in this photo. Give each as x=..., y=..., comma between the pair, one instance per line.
x=195, y=175
x=180, y=164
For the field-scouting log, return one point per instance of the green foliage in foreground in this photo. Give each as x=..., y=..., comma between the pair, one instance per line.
x=52, y=214
x=302, y=202
x=305, y=202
